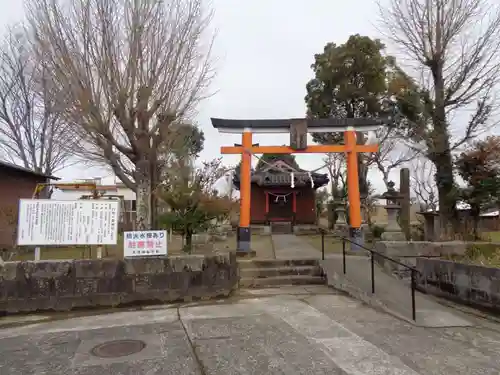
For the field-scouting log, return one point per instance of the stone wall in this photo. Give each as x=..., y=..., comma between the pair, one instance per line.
x=477, y=286
x=407, y=252
x=64, y=285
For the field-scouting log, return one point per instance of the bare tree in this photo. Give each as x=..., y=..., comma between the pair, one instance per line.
x=335, y=164
x=32, y=132
x=392, y=153
x=127, y=71
x=455, y=48
x=423, y=184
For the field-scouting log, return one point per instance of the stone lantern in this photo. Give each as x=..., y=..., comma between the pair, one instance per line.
x=393, y=231
x=341, y=222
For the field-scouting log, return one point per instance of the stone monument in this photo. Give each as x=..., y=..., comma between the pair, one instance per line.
x=392, y=231
x=404, y=190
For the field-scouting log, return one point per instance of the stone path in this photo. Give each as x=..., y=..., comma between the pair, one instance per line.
x=390, y=293
x=308, y=330
x=289, y=246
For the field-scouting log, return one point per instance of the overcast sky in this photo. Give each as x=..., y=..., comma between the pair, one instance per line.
x=264, y=50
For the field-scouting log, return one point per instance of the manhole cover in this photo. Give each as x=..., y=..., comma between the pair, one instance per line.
x=118, y=348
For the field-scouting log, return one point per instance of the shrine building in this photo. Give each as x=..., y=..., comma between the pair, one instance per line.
x=282, y=192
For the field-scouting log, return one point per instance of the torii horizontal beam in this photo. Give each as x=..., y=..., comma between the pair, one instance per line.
x=314, y=149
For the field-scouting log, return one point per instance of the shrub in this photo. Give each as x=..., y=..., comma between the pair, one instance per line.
x=377, y=231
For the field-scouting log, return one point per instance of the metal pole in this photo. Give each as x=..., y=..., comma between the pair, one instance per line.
x=323, y=245
x=413, y=287
x=373, y=272
x=343, y=255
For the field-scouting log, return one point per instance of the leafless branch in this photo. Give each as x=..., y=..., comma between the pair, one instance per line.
x=32, y=132
x=126, y=71
x=457, y=45
x=423, y=183
x=335, y=165
x=393, y=153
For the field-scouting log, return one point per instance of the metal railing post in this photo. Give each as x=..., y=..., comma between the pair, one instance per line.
x=413, y=270
x=413, y=287
x=373, y=272
x=343, y=256
x=322, y=244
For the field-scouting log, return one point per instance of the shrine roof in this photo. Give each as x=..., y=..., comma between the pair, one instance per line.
x=279, y=173
x=283, y=125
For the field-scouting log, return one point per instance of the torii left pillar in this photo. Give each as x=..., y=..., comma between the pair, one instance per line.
x=243, y=235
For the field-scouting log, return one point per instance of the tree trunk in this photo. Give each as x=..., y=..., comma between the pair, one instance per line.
x=476, y=227
x=441, y=152
x=446, y=190
x=143, y=196
x=475, y=212
x=189, y=241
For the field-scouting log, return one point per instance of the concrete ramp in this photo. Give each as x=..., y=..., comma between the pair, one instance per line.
x=391, y=294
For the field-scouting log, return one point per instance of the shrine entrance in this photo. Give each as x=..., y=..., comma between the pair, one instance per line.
x=298, y=130
x=281, y=206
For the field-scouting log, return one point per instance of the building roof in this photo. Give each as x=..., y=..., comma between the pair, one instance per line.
x=283, y=125
x=279, y=173
x=461, y=206
x=13, y=167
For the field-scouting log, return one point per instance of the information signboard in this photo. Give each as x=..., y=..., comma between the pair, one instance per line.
x=145, y=243
x=82, y=222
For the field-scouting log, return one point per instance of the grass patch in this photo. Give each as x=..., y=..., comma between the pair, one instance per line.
x=485, y=254
x=261, y=244
x=332, y=244
x=491, y=236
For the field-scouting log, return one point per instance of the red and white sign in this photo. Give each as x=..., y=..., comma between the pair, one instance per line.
x=145, y=243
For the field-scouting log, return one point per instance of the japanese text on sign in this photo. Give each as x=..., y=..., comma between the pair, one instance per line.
x=82, y=222
x=145, y=243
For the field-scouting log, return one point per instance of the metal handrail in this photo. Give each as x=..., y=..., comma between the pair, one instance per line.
x=413, y=270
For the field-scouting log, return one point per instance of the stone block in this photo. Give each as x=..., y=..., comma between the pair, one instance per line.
x=201, y=238
x=94, y=268
x=474, y=285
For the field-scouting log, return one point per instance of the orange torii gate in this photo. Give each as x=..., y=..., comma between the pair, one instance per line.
x=298, y=129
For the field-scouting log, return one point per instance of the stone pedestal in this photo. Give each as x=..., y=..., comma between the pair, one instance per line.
x=393, y=231
x=340, y=211
x=341, y=227
x=331, y=215
x=364, y=220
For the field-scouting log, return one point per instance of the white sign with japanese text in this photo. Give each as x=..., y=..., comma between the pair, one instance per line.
x=145, y=243
x=82, y=222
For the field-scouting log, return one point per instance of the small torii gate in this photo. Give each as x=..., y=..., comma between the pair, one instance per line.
x=298, y=129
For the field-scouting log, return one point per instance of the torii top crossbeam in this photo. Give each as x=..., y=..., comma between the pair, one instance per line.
x=328, y=125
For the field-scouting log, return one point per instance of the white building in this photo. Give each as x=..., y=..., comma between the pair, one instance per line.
x=77, y=189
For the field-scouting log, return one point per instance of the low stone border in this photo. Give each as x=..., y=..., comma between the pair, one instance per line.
x=407, y=252
x=30, y=286
x=474, y=285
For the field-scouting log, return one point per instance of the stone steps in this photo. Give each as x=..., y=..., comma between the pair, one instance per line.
x=274, y=263
x=280, y=271
x=283, y=227
x=261, y=273
x=281, y=281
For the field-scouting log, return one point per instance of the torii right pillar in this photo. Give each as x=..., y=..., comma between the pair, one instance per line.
x=355, y=231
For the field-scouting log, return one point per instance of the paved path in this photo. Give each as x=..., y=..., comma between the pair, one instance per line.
x=289, y=246
x=390, y=293
x=296, y=331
